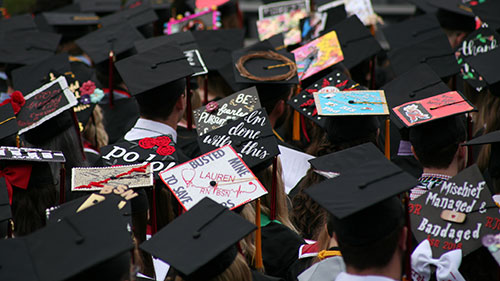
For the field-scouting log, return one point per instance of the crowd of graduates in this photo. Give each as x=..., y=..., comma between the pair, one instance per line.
x=99, y=83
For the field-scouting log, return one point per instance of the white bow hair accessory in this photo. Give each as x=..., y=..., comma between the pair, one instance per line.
x=447, y=265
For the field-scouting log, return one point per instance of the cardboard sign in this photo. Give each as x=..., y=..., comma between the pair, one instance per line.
x=220, y=175
x=422, y=111
x=478, y=42
x=283, y=7
x=288, y=24
x=129, y=175
x=229, y=108
x=194, y=59
x=251, y=136
x=45, y=103
x=160, y=152
x=361, y=8
x=466, y=193
x=205, y=20
x=30, y=154
x=317, y=55
x=333, y=103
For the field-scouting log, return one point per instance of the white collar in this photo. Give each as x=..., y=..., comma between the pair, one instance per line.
x=344, y=276
x=145, y=128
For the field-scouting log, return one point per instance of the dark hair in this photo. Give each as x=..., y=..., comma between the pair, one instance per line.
x=371, y=255
x=159, y=102
x=440, y=158
x=271, y=94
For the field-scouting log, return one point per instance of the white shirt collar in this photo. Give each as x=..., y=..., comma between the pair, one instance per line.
x=145, y=128
x=344, y=276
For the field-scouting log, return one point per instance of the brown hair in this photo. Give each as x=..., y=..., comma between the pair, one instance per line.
x=487, y=119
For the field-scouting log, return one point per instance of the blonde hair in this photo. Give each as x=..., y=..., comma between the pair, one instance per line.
x=247, y=244
x=94, y=131
x=237, y=271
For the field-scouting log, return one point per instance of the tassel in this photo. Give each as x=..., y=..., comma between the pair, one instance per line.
x=110, y=84
x=274, y=188
x=258, y=263
x=18, y=141
x=304, y=129
x=296, y=126
x=205, y=90
x=239, y=14
x=470, y=154
x=154, y=227
x=78, y=133
x=409, y=238
x=388, y=138
x=62, y=186
x=189, y=110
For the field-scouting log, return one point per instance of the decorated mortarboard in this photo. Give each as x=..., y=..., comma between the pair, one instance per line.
x=216, y=46
x=351, y=103
x=312, y=26
x=30, y=154
x=432, y=108
x=366, y=193
x=117, y=38
x=154, y=68
x=100, y=6
x=204, y=227
x=334, y=164
x=217, y=113
x=16, y=263
x=317, y=55
x=334, y=82
x=282, y=7
x=207, y=19
x=94, y=178
x=287, y=23
x=482, y=40
x=455, y=214
x=92, y=236
x=137, y=16
x=413, y=30
x=261, y=63
x=220, y=175
x=8, y=122
x=18, y=23
x=251, y=136
x=488, y=11
x=483, y=67
x=159, y=151
x=45, y=103
x=356, y=41
x=27, y=47
x=185, y=41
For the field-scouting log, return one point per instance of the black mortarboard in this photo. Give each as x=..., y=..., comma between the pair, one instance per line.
x=440, y=217
x=364, y=193
x=70, y=25
x=334, y=15
x=90, y=237
x=140, y=152
x=488, y=11
x=412, y=31
x=100, y=6
x=454, y=15
x=155, y=4
x=454, y=6
x=118, y=38
x=484, y=64
x=202, y=229
x=137, y=16
x=356, y=41
x=435, y=51
x=16, y=263
x=265, y=62
x=27, y=47
x=424, y=6
x=30, y=77
x=216, y=46
x=153, y=68
x=251, y=136
x=23, y=22
x=8, y=122
x=492, y=138
x=227, y=73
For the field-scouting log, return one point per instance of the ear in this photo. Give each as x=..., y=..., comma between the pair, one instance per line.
x=414, y=154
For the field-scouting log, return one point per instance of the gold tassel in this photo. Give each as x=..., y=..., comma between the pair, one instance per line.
x=18, y=141
x=259, y=264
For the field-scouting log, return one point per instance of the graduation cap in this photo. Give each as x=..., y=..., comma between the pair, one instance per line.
x=424, y=6
x=335, y=81
x=16, y=262
x=27, y=47
x=439, y=218
x=251, y=136
x=454, y=6
x=100, y=6
x=159, y=151
x=137, y=16
x=483, y=64
x=70, y=25
x=364, y=193
x=356, y=41
x=155, y=4
x=219, y=174
x=488, y=12
x=351, y=103
x=217, y=113
x=91, y=237
x=204, y=227
x=23, y=22
x=435, y=51
x=492, y=138
x=8, y=122
x=216, y=46
x=411, y=31
x=117, y=38
x=153, y=68
x=261, y=63
x=455, y=15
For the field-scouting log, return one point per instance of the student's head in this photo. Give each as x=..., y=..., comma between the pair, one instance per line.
x=456, y=26
x=160, y=102
x=273, y=98
x=436, y=144
x=348, y=131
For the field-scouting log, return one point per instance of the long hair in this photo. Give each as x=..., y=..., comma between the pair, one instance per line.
x=94, y=131
x=488, y=120
x=247, y=244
